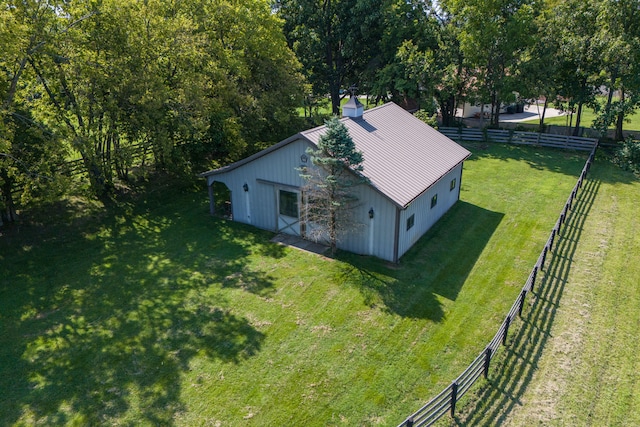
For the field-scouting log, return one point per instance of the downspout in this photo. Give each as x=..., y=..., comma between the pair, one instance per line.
x=396, y=239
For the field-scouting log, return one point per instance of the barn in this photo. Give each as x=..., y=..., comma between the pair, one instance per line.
x=414, y=175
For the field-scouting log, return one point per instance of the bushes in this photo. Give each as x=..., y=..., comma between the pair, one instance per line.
x=428, y=118
x=628, y=156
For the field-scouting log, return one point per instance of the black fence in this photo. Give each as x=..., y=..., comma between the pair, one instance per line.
x=446, y=400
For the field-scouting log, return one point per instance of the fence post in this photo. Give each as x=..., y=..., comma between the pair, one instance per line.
x=507, y=322
x=487, y=361
x=553, y=236
x=544, y=257
x=454, y=398
x=523, y=294
x=409, y=422
x=533, y=277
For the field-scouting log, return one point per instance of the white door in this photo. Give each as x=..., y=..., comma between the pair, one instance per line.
x=289, y=212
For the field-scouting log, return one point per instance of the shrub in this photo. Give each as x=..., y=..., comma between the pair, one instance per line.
x=428, y=118
x=628, y=156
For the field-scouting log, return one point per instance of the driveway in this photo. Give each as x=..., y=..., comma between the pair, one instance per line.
x=531, y=112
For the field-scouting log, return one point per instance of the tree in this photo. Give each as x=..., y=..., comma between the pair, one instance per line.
x=493, y=36
x=336, y=40
x=29, y=151
x=31, y=163
x=617, y=25
x=329, y=198
x=573, y=23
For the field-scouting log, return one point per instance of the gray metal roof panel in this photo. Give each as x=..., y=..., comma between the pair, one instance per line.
x=403, y=156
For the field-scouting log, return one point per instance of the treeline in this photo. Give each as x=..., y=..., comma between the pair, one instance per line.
x=438, y=54
x=201, y=83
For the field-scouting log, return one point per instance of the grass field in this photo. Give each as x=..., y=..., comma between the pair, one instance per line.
x=575, y=358
x=149, y=312
x=588, y=116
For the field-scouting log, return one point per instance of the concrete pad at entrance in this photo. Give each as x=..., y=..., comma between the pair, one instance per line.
x=300, y=243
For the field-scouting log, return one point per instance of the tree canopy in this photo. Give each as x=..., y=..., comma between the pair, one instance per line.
x=197, y=84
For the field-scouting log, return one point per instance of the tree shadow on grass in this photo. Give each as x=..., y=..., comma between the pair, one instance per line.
x=557, y=160
x=541, y=158
x=100, y=323
x=438, y=265
x=511, y=375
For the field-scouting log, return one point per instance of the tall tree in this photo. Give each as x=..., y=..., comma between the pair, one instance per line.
x=329, y=198
x=336, y=40
x=580, y=51
x=617, y=25
x=28, y=151
x=493, y=36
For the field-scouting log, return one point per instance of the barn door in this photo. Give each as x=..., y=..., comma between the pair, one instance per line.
x=289, y=212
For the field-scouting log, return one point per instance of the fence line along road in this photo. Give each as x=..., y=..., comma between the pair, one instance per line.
x=446, y=401
x=517, y=137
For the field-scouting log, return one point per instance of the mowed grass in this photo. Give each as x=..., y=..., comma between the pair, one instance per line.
x=632, y=121
x=575, y=358
x=150, y=312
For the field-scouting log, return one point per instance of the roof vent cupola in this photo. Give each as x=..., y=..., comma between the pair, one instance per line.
x=353, y=108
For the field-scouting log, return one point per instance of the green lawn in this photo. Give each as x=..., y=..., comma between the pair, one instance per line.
x=575, y=358
x=150, y=312
x=588, y=116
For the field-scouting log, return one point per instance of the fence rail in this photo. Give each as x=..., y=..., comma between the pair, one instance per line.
x=141, y=154
x=517, y=137
x=446, y=401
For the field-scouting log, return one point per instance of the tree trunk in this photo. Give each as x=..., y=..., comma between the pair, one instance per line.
x=576, y=130
x=544, y=111
x=614, y=76
x=7, y=198
x=619, y=136
x=496, y=115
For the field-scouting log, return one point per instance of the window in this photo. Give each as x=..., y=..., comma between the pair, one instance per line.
x=289, y=203
x=410, y=221
x=452, y=186
x=434, y=200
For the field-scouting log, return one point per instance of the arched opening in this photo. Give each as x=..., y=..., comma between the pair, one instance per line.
x=222, y=200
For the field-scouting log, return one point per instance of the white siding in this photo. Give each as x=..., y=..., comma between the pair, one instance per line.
x=383, y=223
x=424, y=215
x=279, y=167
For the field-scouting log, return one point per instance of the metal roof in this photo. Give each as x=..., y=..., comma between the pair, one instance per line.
x=403, y=156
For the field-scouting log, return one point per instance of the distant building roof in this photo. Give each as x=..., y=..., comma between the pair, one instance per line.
x=403, y=156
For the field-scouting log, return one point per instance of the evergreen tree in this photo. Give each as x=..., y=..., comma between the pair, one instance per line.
x=329, y=198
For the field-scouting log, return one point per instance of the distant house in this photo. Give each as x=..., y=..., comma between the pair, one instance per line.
x=414, y=177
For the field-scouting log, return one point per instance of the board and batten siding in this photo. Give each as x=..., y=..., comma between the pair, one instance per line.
x=375, y=236
x=424, y=215
x=264, y=177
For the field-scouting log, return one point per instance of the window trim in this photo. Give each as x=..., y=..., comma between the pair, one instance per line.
x=285, y=209
x=411, y=221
